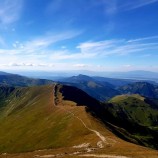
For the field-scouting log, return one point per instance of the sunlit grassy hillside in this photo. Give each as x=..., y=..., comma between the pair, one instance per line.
x=52, y=120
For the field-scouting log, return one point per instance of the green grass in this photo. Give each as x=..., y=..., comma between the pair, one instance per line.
x=135, y=108
x=119, y=98
x=139, y=118
x=30, y=122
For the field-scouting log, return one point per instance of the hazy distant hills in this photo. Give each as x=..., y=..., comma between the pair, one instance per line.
x=133, y=75
x=139, y=74
x=115, y=81
x=143, y=88
x=105, y=88
x=17, y=80
x=99, y=90
x=4, y=73
x=102, y=80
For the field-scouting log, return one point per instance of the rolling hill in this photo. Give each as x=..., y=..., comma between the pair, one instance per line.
x=103, y=89
x=17, y=80
x=100, y=90
x=133, y=75
x=61, y=121
x=143, y=88
x=117, y=76
x=137, y=115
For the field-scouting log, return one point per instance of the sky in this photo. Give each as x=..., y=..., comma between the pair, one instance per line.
x=96, y=35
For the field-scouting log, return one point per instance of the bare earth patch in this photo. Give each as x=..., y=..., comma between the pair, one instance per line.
x=103, y=156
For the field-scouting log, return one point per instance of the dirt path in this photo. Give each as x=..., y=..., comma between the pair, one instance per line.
x=101, y=137
x=81, y=153
x=103, y=156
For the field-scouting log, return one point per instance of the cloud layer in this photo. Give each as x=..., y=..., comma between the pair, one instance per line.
x=80, y=34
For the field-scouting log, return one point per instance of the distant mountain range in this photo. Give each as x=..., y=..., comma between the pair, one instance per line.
x=17, y=80
x=135, y=75
x=143, y=88
x=105, y=88
x=100, y=88
x=138, y=75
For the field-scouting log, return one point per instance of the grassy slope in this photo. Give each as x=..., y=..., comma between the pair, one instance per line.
x=136, y=109
x=137, y=116
x=17, y=80
x=30, y=121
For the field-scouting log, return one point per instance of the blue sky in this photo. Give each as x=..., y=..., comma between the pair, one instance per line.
x=98, y=35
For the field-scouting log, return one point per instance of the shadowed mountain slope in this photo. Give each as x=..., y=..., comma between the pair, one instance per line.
x=137, y=115
x=100, y=90
x=142, y=88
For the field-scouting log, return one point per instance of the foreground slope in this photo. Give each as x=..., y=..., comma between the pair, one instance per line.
x=55, y=118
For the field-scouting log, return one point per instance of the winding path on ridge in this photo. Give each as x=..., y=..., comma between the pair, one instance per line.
x=81, y=153
x=101, y=137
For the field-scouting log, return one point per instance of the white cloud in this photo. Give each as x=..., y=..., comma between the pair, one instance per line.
x=8, y=51
x=86, y=50
x=142, y=3
x=13, y=64
x=134, y=4
x=112, y=7
x=16, y=64
x=10, y=11
x=47, y=40
x=127, y=66
x=117, y=47
x=38, y=46
x=63, y=47
x=14, y=45
x=144, y=39
x=41, y=55
x=80, y=65
x=66, y=55
x=20, y=64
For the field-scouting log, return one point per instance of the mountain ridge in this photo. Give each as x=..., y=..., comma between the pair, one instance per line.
x=142, y=88
x=29, y=110
x=17, y=80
